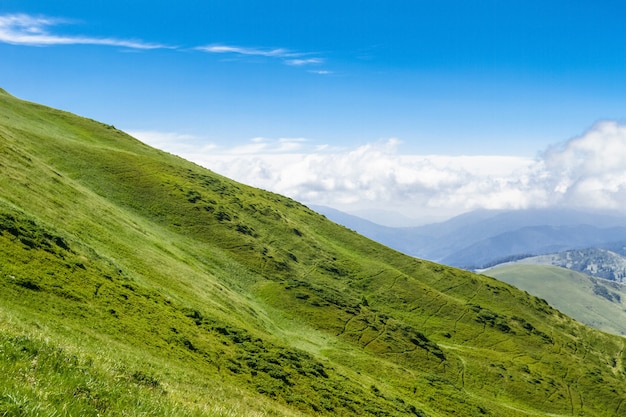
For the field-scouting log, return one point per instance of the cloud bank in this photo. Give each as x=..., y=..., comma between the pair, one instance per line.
x=586, y=172
x=590, y=170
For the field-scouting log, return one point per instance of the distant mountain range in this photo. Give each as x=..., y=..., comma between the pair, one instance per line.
x=484, y=238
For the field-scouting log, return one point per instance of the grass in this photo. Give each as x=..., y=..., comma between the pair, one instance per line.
x=42, y=378
x=133, y=280
x=592, y=301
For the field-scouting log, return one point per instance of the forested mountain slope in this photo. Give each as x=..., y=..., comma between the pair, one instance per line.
x=133, y=282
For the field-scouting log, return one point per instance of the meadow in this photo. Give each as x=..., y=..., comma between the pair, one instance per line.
x=135, y=283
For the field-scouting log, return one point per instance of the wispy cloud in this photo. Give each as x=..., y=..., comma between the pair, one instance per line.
x=321, y=72
x=226, y=49
x=288, y=57
x=585, y=172
x=23, y=29
x=307, y=61
x=29, y=30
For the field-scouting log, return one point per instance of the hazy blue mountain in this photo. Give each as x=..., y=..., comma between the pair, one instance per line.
x=405, y=239
x=537, y=240
x=485, y=237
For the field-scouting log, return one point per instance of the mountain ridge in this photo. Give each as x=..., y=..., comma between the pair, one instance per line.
x=482, y=238
x=135, y=280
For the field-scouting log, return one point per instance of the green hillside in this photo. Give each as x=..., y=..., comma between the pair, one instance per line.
x=134, y=283
x=595, y=302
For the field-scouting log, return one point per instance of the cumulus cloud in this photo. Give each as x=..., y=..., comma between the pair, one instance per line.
x=585, y=172
x=588, y=171
x=23, y=29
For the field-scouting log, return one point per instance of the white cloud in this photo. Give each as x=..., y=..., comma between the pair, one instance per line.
x=585, y=172
x=23, y=29
x=305, y=61
x=295, y=59
x=225, y=49
x=590, y=170
x=28, y=30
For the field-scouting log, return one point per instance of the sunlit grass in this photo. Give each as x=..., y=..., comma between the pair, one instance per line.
x=595, y=302
x=133, y=282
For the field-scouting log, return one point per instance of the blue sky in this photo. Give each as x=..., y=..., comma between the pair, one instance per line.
x=298, y=79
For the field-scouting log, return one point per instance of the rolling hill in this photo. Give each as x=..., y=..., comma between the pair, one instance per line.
x=133, y=282
x=595, y=262
x=594, y=302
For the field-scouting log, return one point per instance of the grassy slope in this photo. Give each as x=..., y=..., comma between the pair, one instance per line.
x=133, y=280
x=595, y=302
